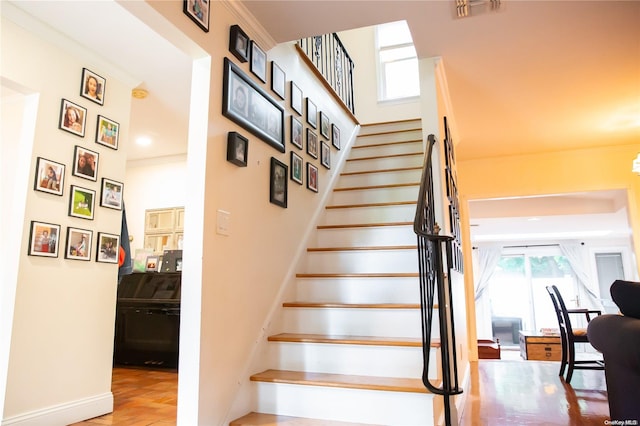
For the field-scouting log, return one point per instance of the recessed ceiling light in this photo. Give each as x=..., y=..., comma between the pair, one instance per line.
x=143, y=141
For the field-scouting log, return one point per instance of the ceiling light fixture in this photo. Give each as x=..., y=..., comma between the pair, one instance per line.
x=636, y=165
x=463, y=7
x=139, y=93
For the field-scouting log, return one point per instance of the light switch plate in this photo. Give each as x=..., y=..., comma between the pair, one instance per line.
x=223, y=223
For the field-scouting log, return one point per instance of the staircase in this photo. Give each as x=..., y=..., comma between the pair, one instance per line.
x=351, y=353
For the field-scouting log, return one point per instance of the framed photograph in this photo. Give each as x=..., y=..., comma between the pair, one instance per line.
x=278, y=80
x=251, y=107
x=325, y=126
x=312, y=114
x=312, y=143
x=49, y=176
x=237, y=149
x=239, y=43
x=312, y=177
x=296, y=132
x=93, y=87
x=107, y=132
x=335, y=136
x=81, y=202
x=44, y=239
x=325, y=155
x=278, y=183
x=107, y=248
x=85, y=163
x=73, y=118
x=198, y=11
x=296, y=165
x=111, y=194
x=258, y=62
x=171, y=261
x=78, y=244
x=296, y=98
x=151, y=264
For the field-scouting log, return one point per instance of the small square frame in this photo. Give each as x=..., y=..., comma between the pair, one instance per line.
x=78, y=245
x=111, y=194
x=152, y=265
x=312, y=114
x=296, y=132
x=44, y=181
x=37, y=240
x=312, y=143
x=89, y=79
x=296, y=165
x=73, y=118
x=82, y=163
x=258, y=62
x=335, y=136
x=312, y=177
x=198, y=11
x=107, y=132
x=325, y=125
x=239, y=43
x=325, y=155
x=296, y=98
x=237, y=149
x=278, y=183
x=82, y=202
x=278, y=80
x=108, y=247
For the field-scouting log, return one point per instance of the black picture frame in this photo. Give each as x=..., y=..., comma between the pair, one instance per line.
x=107, y=132
x=296, y=165
x=296, y=132
x=248, y=105
x=107, y=248
x=312, y=113
x=239, y=43
x=171, y=261
x=312, y=143
x=278, y=183
x=296, y=98
x=85, y=163
x=44, y=239
x=237, y=149
x=73, y=118
x=335, y=136
x=325, y=155
x=258, y=62
x=325, y=125
x=82, y=202
x=111, y=195
x=278, y=80
x=312, y=177
x=93, y=86
x=78, y=246
x=49, y=176
x=198, y=11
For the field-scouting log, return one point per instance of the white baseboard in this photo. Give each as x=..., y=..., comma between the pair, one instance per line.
x=64, y=414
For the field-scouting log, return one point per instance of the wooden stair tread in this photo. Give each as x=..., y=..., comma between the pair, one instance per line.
x=361, y=248
x=361, y=275
x=350, y=340
x=391, y=203
x=375, y=157
x=364, y=225
x=351, y=305
x=392, y=384
x=262, y=419
x=397, y=169
x=375, y=145
x=390, y=185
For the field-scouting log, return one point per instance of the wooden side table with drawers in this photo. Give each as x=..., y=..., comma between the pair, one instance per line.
x=536, y=346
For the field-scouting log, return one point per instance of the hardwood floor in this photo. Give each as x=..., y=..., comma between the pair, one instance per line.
x=503, y=392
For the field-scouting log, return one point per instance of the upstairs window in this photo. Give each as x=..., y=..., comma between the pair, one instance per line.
x=398, y=63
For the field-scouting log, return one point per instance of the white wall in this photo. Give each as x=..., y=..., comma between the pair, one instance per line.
x=60, y=355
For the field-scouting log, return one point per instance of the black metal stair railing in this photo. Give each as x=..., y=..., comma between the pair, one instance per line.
x=328, y=54
x=433, y=251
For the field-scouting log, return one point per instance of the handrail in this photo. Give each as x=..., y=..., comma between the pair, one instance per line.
x=433, y=249
x=329, y=56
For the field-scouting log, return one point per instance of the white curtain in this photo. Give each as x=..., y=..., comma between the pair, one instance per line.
x=486, y=260
x=578, y=258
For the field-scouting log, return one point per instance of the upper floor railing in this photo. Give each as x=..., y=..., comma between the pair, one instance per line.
x=328, y=55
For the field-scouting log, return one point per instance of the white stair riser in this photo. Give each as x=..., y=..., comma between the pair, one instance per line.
x=391, y=126
x=408, y=193
x=383, y=163
x=364, y=140
x=359, y=360
x=353, y=321
x=381, y=178
x=347, y=405
x=376, y=214
x=361, y=261
x=384, y=150
x=368, y=236
x=358, y=290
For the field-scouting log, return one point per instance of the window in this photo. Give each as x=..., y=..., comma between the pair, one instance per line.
x=398, y=63
x=610, y=268
x=163, y=229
